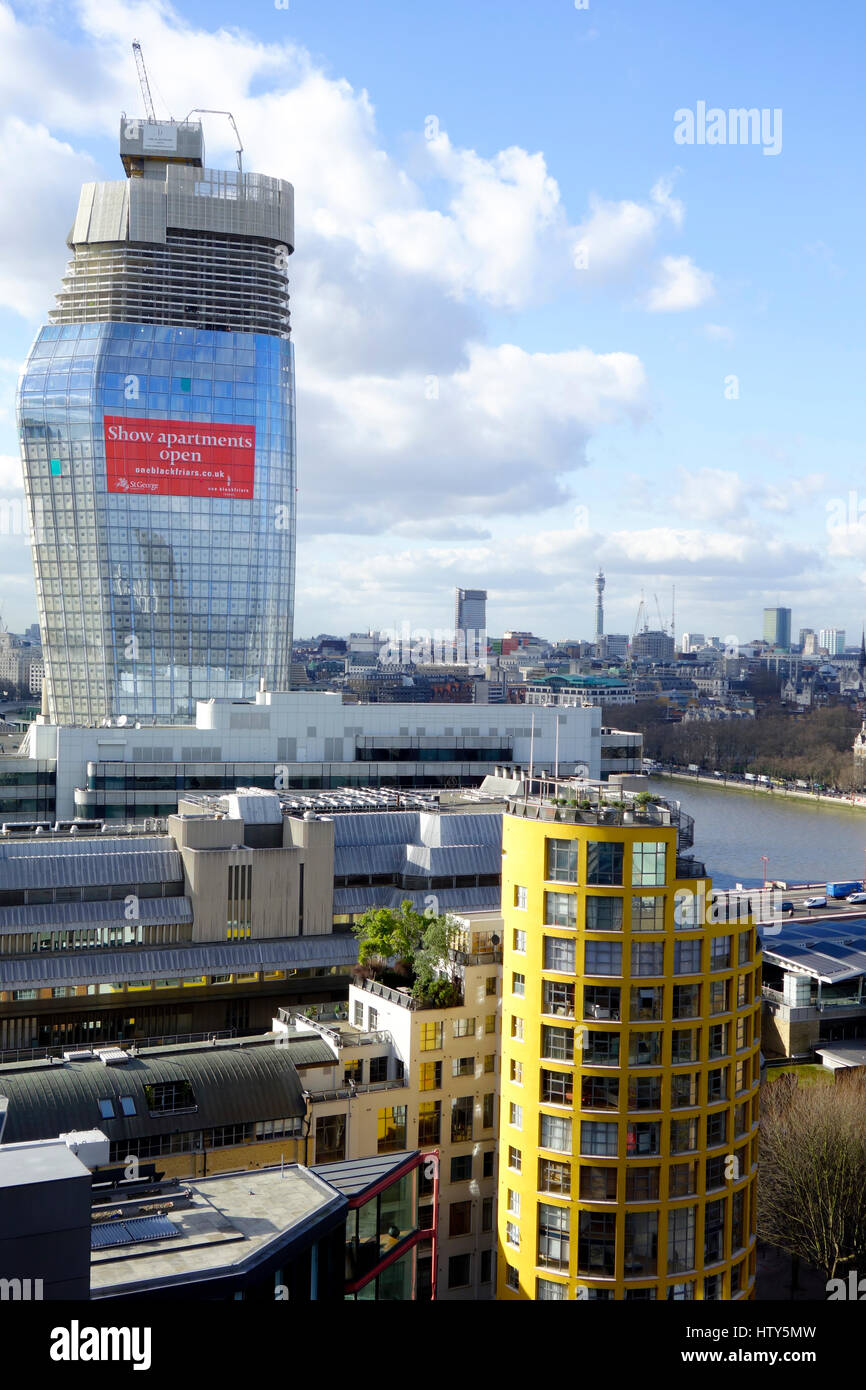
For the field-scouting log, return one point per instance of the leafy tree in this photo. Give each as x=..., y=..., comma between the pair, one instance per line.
x=384, y=935
x=812, y=1171
x=432, y=952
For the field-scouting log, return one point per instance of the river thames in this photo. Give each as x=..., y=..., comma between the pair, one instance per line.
x=805, y=842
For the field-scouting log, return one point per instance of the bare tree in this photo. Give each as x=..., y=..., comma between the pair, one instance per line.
x=812, y=1171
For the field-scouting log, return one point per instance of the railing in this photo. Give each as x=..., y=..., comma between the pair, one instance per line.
x=346, y=1092
x=690, y=868
x=393, y=996
x=493, y=956
x=34, y=1054
x=602, y=812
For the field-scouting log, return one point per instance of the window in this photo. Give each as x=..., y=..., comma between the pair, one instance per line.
x=641, y=1243
x=601, y=1001
x=488, y=1160
x=645, y=1093
x=553, y=1236
x=557, y=998
x=490, y=985
x=520, y=942
x=738, y=1220
x=353, y=1072
x=685, y=1043
x=330, y=1138
x=461, y=1168
x=718, y=1040
x=687, y=957
x=560, y=910
x=684, y=1136
x=430, y=1076
x=554, y=1177
x=464, y=1028
x=559, y=954
x=127, y=1105
x=683, y=1179
x=516, y=1072
x=604, y=863
x=487, y=1110
x=546, y=1290
x=642, y=1137
x=518, y=984
x=358, y=1013
x=515, y=1159
x=516, y=1028
x=714, y=1231
x=681, y=1293
x=461, y=1118
x=715, y=1172
x=744, y=942
x=431, y=1036
x=512, y=1277
x=392, y=1129
x=487, y=1214
x=642, y=1184
x=554, y=1132
x=741, y=1119
x=717, y=1128
x=599, y=1137
x=681, y=1239
x=515, y=1116
x=645, y=1048
x=429, y=1121
x=459, y=1271
x=378, y=1069
x=744, y=991
x=557, y=1043
x=603, y=914
x=489, y=1062
x=646, y=1002
x=597, y=1184
x=717, y=1084
x=598, y=1093
x=562, y=861
x=687, y=1000
x=744, y=1032
x=512, y=1235
x=648, y=913
x=169, y=1097
x=513, y=1202
x=520, y=898
x=684, y=1089
x=460, y=1219
x=373, y=1020
x=720, y=952
x=486, y=1266
x=719, y=995
x=490, y=1023
x=648, y=858
x=596, y=1242
x=557, y=1087
x=106, y=1109
x=463, y=1066
x=742, y=1076
x=713, y=1285
x=603, y=958
x=601, y=1049
x=647, y=958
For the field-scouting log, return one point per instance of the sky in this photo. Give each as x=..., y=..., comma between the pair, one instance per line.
x=537, y=329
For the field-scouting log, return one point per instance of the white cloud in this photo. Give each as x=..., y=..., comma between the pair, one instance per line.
x=718, y=333
x=682, y=285
x=710, y=494
x=617, y=236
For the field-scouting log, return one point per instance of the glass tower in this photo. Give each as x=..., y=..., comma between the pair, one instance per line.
x=157, y=426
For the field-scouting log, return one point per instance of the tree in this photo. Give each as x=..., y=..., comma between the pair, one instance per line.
x=812, y=1171
x=384, y=935
x=428, y=962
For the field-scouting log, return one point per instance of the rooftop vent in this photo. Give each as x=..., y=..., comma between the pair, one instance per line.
x=83, y=1054
x=112, y=1056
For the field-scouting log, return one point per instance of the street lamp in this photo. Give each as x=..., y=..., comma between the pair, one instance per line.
x=765, y=859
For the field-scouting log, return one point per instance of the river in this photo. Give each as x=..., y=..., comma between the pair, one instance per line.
x=805, y=842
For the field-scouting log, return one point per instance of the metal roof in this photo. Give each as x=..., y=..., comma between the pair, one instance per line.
x=353, y=1176
x=231, y=1085
x=90, y=870
x=829, y=951
x=99, y=913
x=51, y=846
x=449, y=899
x=178, y=962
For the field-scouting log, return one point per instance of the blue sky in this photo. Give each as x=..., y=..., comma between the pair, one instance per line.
x=684, y=407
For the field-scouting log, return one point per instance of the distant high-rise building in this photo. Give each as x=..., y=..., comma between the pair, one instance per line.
x=653, y=646
x=693, y=641
x=599, y=606
x=806, y=640
x=470, y=623
x=157, y=425
x=614, y=645
x=777, y=627
x=832, y=640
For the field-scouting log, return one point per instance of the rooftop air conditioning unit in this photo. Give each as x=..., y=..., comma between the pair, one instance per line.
x=83, y=1054
x=112, y=1056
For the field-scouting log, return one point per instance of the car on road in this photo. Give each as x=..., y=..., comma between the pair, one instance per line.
x=814, y=902
x=788, y=907
x=856, y=898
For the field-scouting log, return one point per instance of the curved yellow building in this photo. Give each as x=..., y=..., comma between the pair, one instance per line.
x=630, y=1059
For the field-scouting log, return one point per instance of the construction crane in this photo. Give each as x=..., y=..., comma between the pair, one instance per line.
x=143, y=82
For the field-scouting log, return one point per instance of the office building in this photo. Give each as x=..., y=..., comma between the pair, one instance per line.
x=693, y=642
x=565, y=691
x=470, y=625
x=156, y=421
x=777, y=628
x=832, y=640
x=652, y=645
x=630, y=1061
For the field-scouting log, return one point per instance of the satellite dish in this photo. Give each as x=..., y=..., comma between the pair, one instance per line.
x=138, y=723
x=121, y=722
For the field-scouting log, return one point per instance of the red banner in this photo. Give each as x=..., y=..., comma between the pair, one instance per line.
x=179, y=458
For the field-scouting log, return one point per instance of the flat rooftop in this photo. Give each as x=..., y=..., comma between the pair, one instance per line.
x=213, y=1227
x=829, y=951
